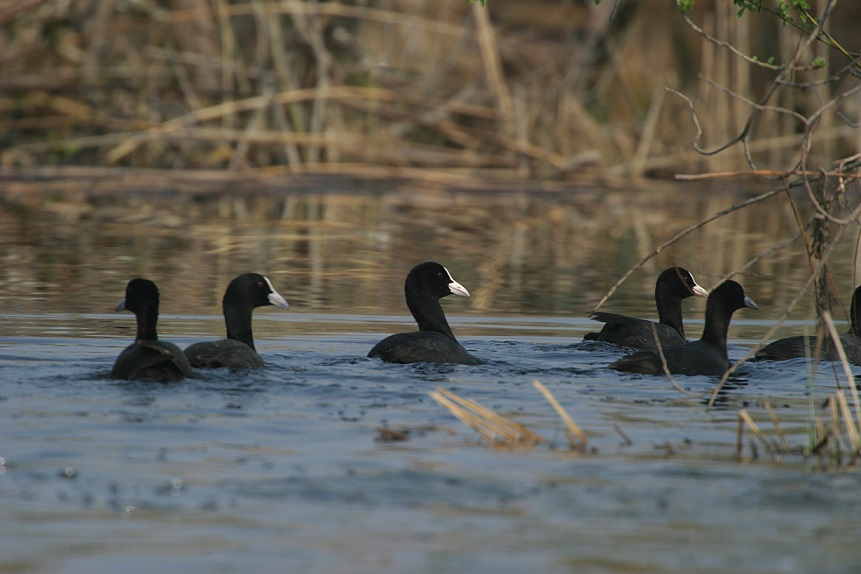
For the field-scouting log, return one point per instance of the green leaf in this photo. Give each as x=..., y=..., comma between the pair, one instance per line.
x=685, y=5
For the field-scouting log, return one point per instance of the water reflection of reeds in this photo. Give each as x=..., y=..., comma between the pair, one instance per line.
x=551, y=253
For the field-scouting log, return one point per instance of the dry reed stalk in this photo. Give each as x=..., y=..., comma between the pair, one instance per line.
x=226, y=110
x=281, y=65
x=821, y=435
x=854, y=390
x=522, y=147
x=647, y=137
x=576, y=436
x=472, y=138
x=846, y=368
x=838, y=345
x=360, y=145
x=245, y=61
x=474, y=179
x=848, y=421
x=247, y=136
x=778, y=429
x=311, y=30
x=330, y=9
x=748, y=420
x=228, y=47
x=35, y=180
x=185, y=124
x=448, y=129
x=493, y=429
x=769, y=173
x=493, y=68
x=834, y=419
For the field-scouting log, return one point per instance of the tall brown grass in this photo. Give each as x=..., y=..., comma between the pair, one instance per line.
x=555, y=89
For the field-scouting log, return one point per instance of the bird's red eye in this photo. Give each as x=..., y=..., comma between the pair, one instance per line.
x=260, y=284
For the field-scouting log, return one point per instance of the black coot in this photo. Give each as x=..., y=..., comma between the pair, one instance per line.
x=433, y=342
x=245, y=293
x=707, y=356
x=673, y=285
x=147, y=357
x=801, y=346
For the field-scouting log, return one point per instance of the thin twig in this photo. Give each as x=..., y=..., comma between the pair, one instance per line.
x=664, y=366
x=680, y=235
x=728, y=46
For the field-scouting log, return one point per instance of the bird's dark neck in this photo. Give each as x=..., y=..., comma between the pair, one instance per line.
x=428, y=313
x=146, y=320
x=238, y=321
x=670, y=312
x=717, y=324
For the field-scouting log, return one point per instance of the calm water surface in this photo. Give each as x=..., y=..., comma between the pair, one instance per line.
x=282, y=469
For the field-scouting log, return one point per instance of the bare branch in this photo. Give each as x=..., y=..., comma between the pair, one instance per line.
x=749, y=59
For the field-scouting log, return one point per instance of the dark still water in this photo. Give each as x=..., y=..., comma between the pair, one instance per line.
x=282, y=469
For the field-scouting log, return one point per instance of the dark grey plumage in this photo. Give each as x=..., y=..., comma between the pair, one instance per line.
x=244, y=294
x=671, y=288
x=434, y=342
x=147, y=357
x=802, y=346
x=708, y=355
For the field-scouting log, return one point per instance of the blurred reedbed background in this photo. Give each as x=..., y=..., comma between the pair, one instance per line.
x=565, y=90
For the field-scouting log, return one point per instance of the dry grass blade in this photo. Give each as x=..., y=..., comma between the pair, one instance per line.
x=491, y=427
x=783, y=442
x=834, y=411
x=856, y=430
x=745, y=416
x=851, y=429
x=838, y=344
x=822, y=438
x=576, y=436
